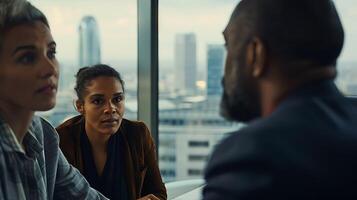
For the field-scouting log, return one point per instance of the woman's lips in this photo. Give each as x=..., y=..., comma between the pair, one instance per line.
x=48, y=89
x=110, y=122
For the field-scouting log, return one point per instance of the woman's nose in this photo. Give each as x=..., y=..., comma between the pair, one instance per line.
x=49, y=68
x=110, y=108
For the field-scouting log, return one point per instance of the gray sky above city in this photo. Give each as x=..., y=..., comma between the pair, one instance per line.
x=117, y=22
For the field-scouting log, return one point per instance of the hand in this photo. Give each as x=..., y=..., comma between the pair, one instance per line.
x=149, y=197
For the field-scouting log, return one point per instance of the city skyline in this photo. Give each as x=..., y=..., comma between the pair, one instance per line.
x=118, y=22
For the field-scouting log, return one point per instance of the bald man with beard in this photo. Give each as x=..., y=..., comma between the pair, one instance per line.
x=300, y=141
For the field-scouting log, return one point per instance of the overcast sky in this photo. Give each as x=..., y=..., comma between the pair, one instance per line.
x=117, y=22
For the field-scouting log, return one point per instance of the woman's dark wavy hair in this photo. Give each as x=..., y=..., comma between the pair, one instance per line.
x=87, y=74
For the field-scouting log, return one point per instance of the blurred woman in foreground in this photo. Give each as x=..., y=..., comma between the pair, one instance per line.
x=31, y=164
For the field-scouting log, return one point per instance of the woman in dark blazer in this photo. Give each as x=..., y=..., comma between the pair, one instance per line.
x=117, y=156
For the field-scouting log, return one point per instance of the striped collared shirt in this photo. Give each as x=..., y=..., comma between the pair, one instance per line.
x=40, y=171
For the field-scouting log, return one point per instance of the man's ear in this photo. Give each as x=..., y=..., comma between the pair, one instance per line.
x=257, y=57
x=79, y=106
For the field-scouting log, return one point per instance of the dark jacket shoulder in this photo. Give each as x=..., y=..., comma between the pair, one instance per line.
x=308, y=144
x=137, y=134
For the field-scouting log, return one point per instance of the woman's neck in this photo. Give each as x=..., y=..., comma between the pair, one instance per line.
x=97, y=140
x=18, y=119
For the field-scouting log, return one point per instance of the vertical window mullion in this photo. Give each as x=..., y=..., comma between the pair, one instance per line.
x=148, y=65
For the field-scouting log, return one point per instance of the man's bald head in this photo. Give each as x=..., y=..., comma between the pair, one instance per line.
x=294, y=30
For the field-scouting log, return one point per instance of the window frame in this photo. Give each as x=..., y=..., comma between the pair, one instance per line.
x=148, y=66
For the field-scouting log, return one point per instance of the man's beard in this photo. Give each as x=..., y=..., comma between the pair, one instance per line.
x=240, y=107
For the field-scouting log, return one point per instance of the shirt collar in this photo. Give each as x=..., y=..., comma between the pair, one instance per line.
x=10, y=143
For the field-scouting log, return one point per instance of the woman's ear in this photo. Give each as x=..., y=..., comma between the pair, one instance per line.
x=79, y=106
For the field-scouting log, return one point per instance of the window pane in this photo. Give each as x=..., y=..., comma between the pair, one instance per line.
x=191, y=61
x=91, y=32
x=347, y=64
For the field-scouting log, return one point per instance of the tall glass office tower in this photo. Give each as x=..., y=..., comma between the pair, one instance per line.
x=185, y=63
x=215, y=61
x=89, y=44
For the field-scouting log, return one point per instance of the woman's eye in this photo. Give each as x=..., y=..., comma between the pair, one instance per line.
x=97, y=101
x=118, y=99
x=27, y=58
x=51, y=54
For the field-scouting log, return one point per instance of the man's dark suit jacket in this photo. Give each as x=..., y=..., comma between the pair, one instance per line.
x=307, y=149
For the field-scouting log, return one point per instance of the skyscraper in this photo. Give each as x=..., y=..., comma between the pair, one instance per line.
x=185, y=63
x=89, y=45
x=215, y=60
